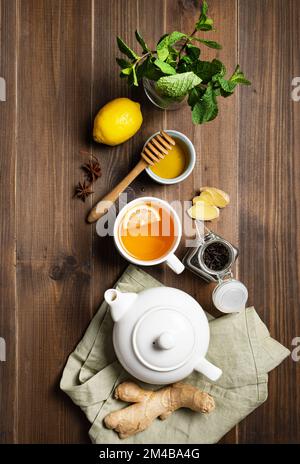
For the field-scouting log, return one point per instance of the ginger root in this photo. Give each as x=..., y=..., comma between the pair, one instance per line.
x=152, y=404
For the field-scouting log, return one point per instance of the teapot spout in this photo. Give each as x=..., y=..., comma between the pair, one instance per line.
x=211, y=371
x=118, y=302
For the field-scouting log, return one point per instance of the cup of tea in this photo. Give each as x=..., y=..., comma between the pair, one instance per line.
x=147, y=232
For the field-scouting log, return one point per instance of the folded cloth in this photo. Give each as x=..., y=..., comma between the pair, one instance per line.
x=240, y=345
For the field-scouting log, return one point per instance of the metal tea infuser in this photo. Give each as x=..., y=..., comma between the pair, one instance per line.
x=212, y=260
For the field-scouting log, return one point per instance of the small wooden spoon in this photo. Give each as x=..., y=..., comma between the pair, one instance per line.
x=153, y=152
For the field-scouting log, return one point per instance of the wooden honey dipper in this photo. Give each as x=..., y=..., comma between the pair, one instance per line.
x=155, y=150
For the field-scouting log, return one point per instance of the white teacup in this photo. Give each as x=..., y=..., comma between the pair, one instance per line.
x=169, y=257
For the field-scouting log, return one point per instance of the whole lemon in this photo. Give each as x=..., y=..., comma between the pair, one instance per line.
x=117, y=121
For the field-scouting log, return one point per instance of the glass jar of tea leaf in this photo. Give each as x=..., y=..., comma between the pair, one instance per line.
x=212, y=260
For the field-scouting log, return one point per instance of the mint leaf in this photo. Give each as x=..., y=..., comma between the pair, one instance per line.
x=204, y=8
x=227, y=86
x=185, y=65
x=178, y=85
x=163, y=37
x=238, y=77
x=149, y=70
x=187, y=60
x=162, y=51
x=206, y=70
x=204, y=23
x=175, y=37
x=206, y=109
x=220, y=67
x=123, y=63
x=172, y=57
x=208, y=43
x=123, y=47
x=126, y=67
x=195, y=95
x=163, y=47
x=164, y=67
x=192, y=51
x=172, y=60
x=127, y=71
x=141, y=69
x=142, y=42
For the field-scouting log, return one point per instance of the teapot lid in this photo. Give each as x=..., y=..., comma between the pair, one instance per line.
x=164, y=338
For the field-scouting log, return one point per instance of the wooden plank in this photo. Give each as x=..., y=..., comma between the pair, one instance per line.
x=54, y=258
x=269, y=192
x=112, y=19
x=8, y=309
x=215, y=142
x=154, y=118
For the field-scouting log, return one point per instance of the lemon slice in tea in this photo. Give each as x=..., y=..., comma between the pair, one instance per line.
x=140, y=215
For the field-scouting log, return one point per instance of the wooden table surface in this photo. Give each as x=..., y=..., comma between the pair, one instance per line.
x=58, y=60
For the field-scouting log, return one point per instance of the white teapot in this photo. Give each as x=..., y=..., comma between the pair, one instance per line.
x=160, y=335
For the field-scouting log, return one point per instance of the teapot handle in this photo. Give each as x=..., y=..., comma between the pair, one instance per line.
x=211, y=371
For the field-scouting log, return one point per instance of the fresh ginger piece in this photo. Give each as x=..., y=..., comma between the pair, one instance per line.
x=148, y=405
x=220, y=198
x=203, y=212
x=206, y=197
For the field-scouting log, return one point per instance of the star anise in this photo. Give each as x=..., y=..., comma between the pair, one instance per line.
x=83, y=190
x=92, y=169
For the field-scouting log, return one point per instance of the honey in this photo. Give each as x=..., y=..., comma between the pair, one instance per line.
x=174, y=164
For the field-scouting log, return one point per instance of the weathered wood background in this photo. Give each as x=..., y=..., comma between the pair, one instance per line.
x=58, y=59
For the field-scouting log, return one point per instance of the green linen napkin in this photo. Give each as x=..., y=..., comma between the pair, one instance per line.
x=240, y=345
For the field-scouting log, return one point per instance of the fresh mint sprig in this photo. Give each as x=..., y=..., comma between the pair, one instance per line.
x=178, y=70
